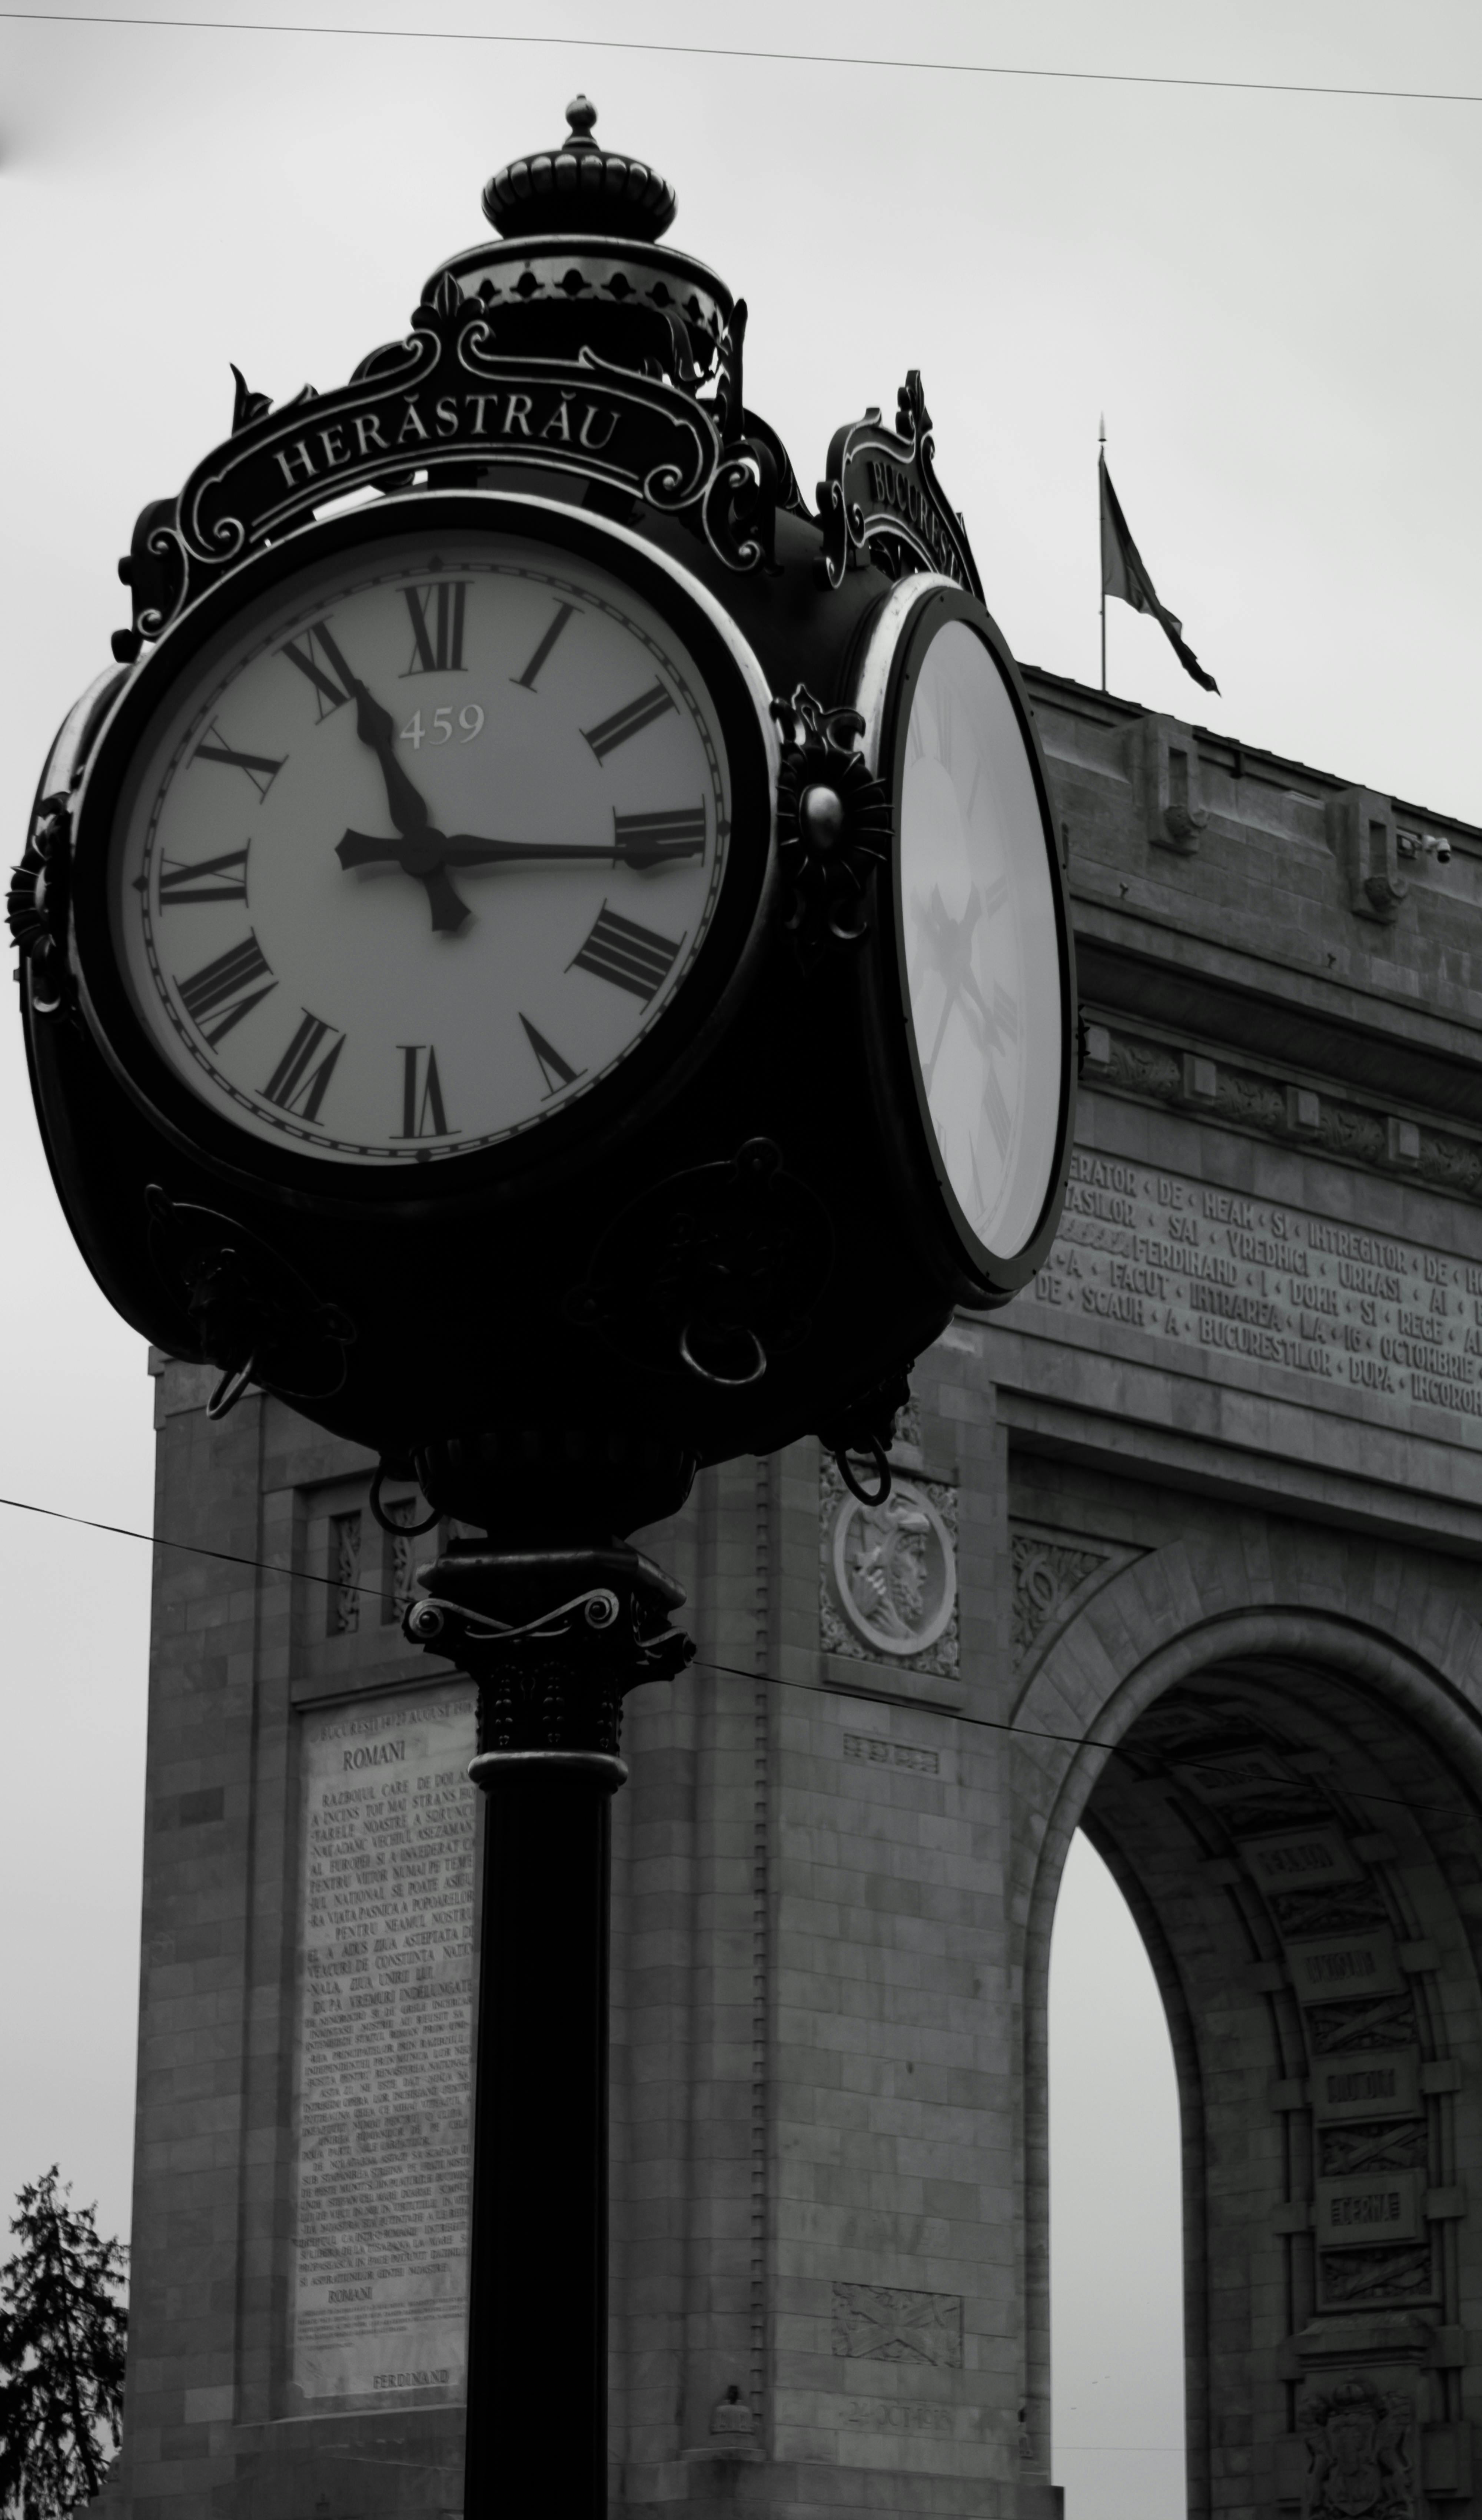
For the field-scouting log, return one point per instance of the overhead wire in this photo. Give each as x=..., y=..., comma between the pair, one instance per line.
x=734, y=1671
x=750, y=53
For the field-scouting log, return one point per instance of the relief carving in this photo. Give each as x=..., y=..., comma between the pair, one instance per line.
x=1253, y=1100
x=882, y=2324
x=889, y=1573
x=1451, y=1163
x=1289, y=1112
x=1353, y=2279
x=1145, y=1068
x=1347, y=2029
x=1044, y=1575
x=1345, y=1132
x=1348, y=2150
x=344, y=1574
x=1305, y=1913
x=1359, y=2462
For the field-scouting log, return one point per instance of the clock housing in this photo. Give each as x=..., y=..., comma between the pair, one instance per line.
x=551, y=1274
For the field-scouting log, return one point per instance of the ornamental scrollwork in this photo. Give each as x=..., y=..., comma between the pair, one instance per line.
x=711, y=1273
x=881, y=499
x=1044, y=1575
x=251, y=1313
x=833, y=826
x=36, y=905
x=445, y=395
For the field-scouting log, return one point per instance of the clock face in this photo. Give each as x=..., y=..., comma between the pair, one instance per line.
x=979, y=939
x=419, y=849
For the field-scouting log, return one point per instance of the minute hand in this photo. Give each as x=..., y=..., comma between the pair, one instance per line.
x=629, y=849
x=461, y=849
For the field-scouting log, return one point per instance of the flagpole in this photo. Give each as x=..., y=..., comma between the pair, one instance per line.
x=1101, y=460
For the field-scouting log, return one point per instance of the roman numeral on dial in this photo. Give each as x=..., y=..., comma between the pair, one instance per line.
x=320, y=661
x=299, y=1080
x=648, y=839
x=625, y=723
x=222, y=992
x=525, y=682
x=631, y=957
x=422, y=1106
x=438, y=613
x=556, y=1070
x=222, y=879
x=259, y=767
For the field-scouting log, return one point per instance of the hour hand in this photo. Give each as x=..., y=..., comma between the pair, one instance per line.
x=375, y=726
x=426, y=860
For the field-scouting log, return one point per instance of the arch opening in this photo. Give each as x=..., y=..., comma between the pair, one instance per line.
x=1298, y=1843
x=1116, y=2284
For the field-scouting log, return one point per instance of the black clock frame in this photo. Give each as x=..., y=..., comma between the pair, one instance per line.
x=644, y=1079
x=987, y=1277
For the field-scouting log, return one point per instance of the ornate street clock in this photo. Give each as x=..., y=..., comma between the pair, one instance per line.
x=550, y=955
x=551, y=952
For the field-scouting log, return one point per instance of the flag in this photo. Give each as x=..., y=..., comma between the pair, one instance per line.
x=1124, y=574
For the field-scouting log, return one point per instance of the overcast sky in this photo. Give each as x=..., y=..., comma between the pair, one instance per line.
x=1272, y=297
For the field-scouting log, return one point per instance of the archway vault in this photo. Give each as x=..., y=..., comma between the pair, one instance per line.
x=1283, y=1768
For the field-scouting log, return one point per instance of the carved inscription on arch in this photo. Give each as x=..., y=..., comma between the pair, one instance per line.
x=1226, y=1284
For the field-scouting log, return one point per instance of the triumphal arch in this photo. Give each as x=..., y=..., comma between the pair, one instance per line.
x=1183, y=1550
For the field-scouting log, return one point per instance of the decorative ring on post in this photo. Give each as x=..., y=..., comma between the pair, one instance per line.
x=882, y=1467
x=405, y=1530
x=726, y=1381
x=229, y=1390
x=505, y=1766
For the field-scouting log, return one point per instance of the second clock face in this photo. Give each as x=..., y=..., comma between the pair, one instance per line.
x=981, y=945
x=422, y=848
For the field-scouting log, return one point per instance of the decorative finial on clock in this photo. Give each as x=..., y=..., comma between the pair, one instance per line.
x=579, y=189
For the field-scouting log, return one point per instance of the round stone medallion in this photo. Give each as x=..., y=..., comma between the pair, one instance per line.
x=894, y=1569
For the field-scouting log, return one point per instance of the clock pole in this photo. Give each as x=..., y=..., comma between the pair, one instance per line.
x=553, y=1636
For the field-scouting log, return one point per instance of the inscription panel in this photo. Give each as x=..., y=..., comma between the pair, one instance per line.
x=1366, y=2087
x=1354, y=2213
x=380, y=2277
x=892, y=2416
x=1226, y=1285
x=1344, y=1964
x=878, y=1753
x=1303, y=1859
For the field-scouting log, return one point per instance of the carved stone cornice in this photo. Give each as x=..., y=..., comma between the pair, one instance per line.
x=1291, y=1112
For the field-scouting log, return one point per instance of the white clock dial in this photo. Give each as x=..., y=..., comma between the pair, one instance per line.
x=422, y=847
x=980, y=941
